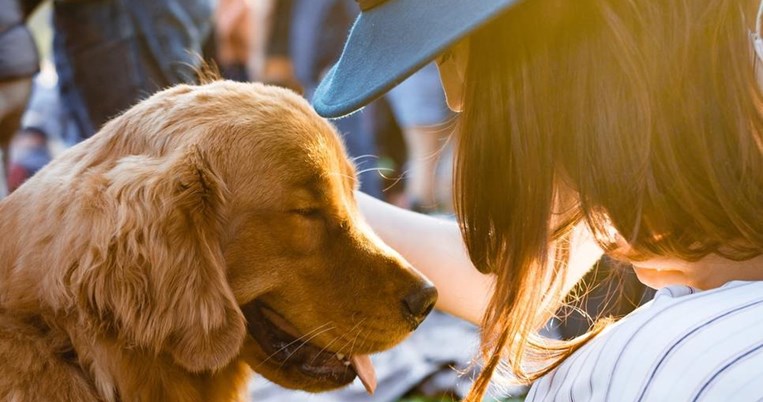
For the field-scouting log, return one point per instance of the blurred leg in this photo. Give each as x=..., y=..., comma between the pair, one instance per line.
x=29, y=154
x=13, y=99
x=425, y=147
x=420, y=109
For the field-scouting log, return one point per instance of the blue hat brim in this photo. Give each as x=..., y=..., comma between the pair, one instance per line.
x=390, y=42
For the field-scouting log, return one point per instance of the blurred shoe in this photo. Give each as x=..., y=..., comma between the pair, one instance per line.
x=17, y=175
x=29, y=153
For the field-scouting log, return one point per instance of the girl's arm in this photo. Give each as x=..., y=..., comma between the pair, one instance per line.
x=435, y=247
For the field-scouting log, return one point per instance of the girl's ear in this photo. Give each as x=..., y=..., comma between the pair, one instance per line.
x=452, y=66
x=155, y=273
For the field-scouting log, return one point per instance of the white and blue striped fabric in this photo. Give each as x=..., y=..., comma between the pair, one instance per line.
x=684, y=345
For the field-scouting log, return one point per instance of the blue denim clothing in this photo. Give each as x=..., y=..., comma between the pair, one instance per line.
x=317, y=32
x=18, y=53
x=419, y=101
x=112, y=53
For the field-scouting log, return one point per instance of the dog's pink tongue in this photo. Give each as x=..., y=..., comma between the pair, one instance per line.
x=366, y=372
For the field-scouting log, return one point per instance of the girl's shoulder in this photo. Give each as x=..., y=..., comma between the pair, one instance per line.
x=683, y=345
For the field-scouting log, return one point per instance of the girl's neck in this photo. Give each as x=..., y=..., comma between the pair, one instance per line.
x=708, y=273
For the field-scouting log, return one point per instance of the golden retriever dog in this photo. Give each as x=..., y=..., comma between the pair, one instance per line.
x=207, y=232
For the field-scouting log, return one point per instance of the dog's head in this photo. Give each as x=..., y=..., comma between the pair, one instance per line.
x=226, y=226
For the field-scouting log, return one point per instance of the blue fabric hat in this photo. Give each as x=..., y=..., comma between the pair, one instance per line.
x=390, y=40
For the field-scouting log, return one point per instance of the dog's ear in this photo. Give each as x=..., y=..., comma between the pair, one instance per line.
x=155, y=275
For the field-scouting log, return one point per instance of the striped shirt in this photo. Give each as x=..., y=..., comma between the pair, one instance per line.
x=684, y=345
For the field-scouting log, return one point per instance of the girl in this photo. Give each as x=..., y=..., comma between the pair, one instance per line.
x=629, y=127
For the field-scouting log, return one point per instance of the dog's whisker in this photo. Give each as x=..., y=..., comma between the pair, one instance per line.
x=305, y=342
x=325, y=348
x=353, y=329
x=377, y=169
x=352, y=347
x=365, y=340
x=344, y=349
x=366, y=156
x=351, y=340
x=397, y=178
x=318, y=328
x=340, y=174
x=339, y=337
x=305, y=335
x=310, y=333
x=395, y=182
x=357, y=324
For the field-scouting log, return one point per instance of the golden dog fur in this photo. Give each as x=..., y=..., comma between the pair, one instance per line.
x=126, y=264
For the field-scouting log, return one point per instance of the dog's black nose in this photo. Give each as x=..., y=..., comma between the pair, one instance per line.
x=419, y=303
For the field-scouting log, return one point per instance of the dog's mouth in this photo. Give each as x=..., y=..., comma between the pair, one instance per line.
x=284, y=345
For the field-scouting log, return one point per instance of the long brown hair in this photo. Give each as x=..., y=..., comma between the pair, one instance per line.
x=642, y=116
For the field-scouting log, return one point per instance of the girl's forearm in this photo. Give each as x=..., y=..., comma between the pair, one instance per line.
x=434, y=247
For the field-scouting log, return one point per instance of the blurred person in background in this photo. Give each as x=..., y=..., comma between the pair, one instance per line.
x=19, y=62
x=46, y=129
x=111, y=54
x=108, y=56
x=419, y=107
x=234, y=34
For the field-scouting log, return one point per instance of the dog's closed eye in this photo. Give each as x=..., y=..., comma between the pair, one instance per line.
x=312, y=213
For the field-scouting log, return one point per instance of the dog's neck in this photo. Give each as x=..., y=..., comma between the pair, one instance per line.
x=120, y=373
x=127, y=375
